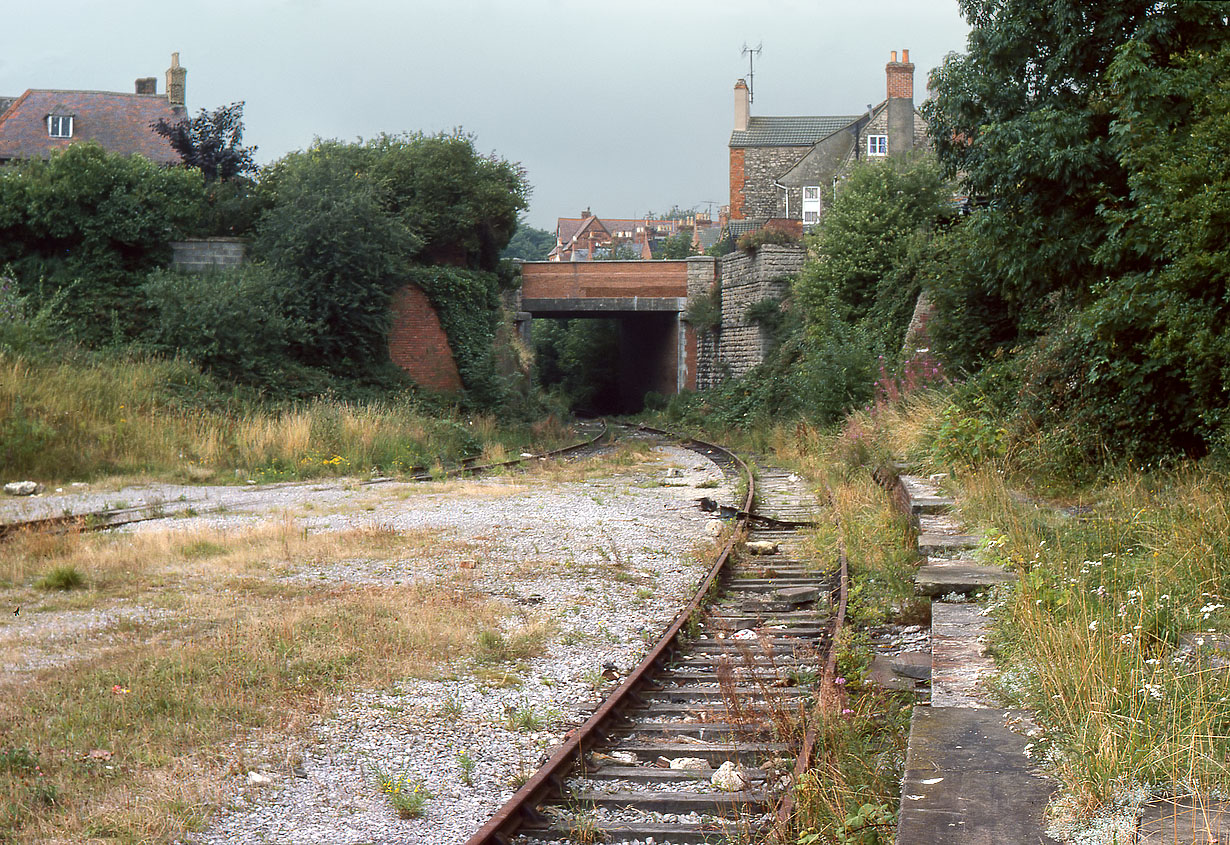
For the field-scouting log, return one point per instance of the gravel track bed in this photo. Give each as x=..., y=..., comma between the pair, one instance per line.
x=604, y=561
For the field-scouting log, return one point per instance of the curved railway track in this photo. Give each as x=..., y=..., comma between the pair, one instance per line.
x=724, y=686
x=107, y=518
x=727, y=683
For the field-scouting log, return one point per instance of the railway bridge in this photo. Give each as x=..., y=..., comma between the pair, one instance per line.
x=649, y=299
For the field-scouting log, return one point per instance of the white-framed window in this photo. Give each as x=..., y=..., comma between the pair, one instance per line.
x=60, y=125
x=877, y=145
x=811, y=204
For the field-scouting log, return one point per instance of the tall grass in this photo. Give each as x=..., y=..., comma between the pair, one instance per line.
x=1114, y=633
x=85, y=418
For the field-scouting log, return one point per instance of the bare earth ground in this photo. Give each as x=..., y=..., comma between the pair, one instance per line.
x=598, y=566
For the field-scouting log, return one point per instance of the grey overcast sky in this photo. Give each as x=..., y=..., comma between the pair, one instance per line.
x=624, y=108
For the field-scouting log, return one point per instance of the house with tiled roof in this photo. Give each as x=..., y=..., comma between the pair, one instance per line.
x=781, y=168
x=41, y=121
x=587, y=237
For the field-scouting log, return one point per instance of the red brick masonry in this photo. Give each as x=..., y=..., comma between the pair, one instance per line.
x=418, y=344
x=581, y=279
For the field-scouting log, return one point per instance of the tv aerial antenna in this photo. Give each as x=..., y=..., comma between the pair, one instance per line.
x=751, y=53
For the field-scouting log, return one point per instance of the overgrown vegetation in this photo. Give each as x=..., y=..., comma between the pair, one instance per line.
x=335, y=230
x=85, y=417
x=136, y=729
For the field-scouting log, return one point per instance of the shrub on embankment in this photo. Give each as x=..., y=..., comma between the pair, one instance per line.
x=87, y=415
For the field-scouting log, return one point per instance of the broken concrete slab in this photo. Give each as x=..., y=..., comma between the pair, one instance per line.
x=923, y=505
x=942, y=576
x=1185, y=820
x=797, y=595
x=912, y=664
x=968, y=781
x=947, y=545
x=882, y=675
x=959, y=661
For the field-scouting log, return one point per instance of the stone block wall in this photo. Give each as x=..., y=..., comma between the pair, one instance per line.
x=761, y=166
x=200, y=255
x=745, y=279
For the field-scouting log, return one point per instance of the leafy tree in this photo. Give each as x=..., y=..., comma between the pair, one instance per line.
x=676, y=246
x=92, y=224
x=212, y=142
x=349, y=223
x=868, y=246
x=342, y=251
x=529, y=244
x=1093, y=136
x=1024, y=117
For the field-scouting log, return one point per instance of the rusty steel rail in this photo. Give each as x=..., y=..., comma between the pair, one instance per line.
x=107, y=518
x=522, y=807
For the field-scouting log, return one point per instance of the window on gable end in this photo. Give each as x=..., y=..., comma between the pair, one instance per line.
x=60, y=125
x=877, y=145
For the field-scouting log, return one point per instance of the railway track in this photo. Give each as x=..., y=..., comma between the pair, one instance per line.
x=103, y=519
x=698, y=744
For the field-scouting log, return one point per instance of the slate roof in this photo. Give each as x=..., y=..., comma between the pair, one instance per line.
x=118, y=122
x=789, y=131
x=735, y=228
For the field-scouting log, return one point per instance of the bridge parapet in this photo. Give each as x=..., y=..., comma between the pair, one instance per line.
x=604, y=286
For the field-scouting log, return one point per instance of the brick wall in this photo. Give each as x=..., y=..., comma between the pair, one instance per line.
x=572, y=279
x=418, y=344
x=198, y=255
x=738, y=180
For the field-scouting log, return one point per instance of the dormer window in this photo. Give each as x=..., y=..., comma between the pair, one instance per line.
x=877, y=145
x=60, y=125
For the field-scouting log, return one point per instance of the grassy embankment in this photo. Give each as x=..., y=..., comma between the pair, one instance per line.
x=1117, y=634
x=87, y=419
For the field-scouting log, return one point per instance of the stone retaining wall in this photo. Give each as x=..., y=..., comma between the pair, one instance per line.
x=744, y=280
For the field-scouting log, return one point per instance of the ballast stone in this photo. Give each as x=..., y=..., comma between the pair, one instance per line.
x=730, y=777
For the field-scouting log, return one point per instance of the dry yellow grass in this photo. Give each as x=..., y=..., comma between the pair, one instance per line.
x=231, y=651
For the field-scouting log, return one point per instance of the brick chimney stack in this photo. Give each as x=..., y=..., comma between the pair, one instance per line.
x=147, y=85
x=743, y=106
x=176, y=77
x=899, y=76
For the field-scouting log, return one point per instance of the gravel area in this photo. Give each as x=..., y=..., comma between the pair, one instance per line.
x=604, y=561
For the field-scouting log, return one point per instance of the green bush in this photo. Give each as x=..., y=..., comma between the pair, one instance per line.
x=233, y=323
x=755, y=239
x=93, y=224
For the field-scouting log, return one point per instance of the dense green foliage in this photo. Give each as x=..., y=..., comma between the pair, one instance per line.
x=92, y=224
x=529, y=244
x=1092, y=139
x=868, y=248
x=579, y=360
x=237, y=326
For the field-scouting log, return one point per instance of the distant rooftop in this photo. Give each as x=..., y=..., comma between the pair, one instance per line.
x=789, y=131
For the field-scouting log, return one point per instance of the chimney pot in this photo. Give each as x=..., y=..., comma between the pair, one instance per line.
x=894, y=58
x=905, y=56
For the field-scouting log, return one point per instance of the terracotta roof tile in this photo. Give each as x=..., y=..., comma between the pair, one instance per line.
x=118, y=122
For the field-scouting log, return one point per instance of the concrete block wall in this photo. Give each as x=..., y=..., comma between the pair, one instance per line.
x=199, y=255
x=702, y=353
